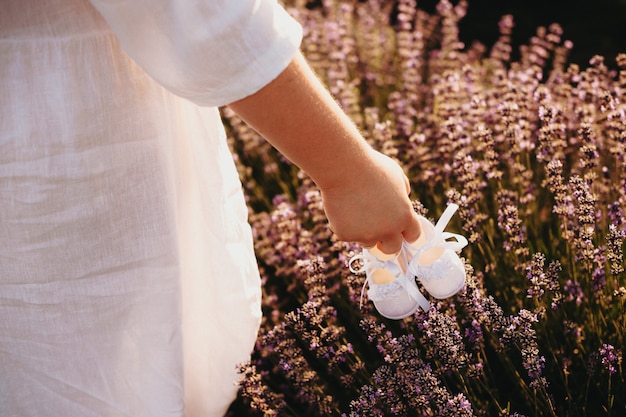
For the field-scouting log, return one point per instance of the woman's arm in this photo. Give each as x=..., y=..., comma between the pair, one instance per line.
x=364, y=192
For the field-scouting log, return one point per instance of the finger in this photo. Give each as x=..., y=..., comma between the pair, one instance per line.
x=390, y=246
x=413, y=230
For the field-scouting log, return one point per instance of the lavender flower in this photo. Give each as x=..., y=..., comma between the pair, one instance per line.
x=573, y=292
x=520, y=331
x=305, y=382
x=585, y=212
x=542, y=281
x=443, y=341
x=471, y=219
x=607, y=357
x=574, y=331
x=260, y=396
x=485, y=145
x=511, y=225
x=610, y=357
x=615, y=254
x=367, y=403
x=533, y=150
x=501, y=50
x=588, y=152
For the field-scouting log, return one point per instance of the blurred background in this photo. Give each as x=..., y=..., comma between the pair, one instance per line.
x=596, y=27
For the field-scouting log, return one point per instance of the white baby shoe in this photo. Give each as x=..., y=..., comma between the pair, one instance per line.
x=433, y=257
x=392, y=286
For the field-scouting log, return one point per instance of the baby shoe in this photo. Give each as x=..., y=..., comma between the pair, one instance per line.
x=433, y=257
x=393, y=292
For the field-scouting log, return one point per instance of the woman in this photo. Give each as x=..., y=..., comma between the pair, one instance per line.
x=128, y=283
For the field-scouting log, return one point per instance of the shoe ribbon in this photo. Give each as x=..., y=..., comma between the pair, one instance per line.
x=443, y=241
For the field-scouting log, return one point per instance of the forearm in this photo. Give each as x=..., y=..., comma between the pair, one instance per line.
x=299, y=117
x=364, y=192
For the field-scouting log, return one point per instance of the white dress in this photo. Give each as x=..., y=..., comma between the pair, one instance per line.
x=128, y=283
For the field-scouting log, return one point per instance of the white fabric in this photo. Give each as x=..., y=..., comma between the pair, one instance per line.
x=128, y=284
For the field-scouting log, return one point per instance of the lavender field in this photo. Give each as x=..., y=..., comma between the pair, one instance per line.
x=532, y=149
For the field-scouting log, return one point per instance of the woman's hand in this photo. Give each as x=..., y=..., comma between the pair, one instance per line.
x=372, y=207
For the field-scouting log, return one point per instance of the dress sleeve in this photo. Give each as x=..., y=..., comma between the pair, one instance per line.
x=212, y=52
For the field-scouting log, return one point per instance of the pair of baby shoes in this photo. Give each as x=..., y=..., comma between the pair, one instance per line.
x=432, y=259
